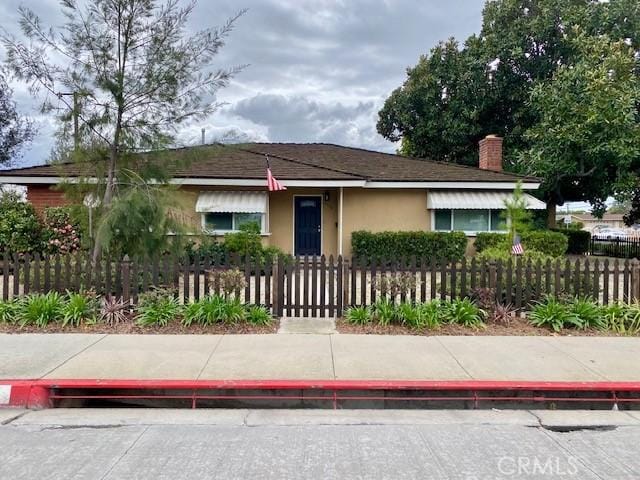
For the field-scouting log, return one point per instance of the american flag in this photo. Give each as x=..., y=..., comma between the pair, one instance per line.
x=273, y=185
x=516, y=248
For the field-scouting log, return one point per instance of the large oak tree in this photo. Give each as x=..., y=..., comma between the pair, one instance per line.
x=457, y=95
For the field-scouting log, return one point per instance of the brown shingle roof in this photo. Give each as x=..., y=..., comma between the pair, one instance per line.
x=292, y=161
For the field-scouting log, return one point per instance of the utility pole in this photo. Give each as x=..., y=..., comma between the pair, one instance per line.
x=76, y=114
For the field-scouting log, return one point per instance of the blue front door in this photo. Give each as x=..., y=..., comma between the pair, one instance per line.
x=308, y=225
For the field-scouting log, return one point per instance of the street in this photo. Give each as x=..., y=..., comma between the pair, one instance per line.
x=317, y=444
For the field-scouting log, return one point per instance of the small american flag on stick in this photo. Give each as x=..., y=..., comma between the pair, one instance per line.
x=273, y=185
x=516, y=248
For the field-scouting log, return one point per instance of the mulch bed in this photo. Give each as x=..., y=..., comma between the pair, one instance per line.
x=174, y=328
x=518, y=327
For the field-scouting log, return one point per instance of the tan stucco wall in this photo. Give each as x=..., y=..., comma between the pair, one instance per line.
x=382, y=209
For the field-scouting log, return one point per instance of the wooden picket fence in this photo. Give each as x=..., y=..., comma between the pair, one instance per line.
x=323, y=286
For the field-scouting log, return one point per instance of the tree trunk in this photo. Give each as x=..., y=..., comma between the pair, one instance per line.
x=106, y=199
x=551, y=214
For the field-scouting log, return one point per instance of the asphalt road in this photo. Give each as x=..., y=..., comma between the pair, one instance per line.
x=241, y=444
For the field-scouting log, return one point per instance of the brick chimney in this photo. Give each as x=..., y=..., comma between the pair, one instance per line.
x=491, y=153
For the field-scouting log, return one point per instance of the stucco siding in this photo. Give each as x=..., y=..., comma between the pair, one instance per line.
x=379, y=210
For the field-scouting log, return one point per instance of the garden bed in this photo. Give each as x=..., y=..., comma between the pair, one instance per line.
x=173, y=328
x=518, y=327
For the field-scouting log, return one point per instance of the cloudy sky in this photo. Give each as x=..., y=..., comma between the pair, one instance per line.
x=319, y=70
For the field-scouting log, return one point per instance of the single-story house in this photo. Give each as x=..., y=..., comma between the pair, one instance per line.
x=332, y=191
x=591, y=223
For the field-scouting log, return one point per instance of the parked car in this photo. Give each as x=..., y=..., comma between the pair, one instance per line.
x=610, y=234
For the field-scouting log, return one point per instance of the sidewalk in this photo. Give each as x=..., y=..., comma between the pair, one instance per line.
x=319, y=357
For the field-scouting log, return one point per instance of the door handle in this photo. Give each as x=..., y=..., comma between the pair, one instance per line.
x=319, y=228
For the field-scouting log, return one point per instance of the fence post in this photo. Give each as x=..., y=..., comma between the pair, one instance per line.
x=635, y=280
x=125, y=268
x=346, y=302
x=275, y=290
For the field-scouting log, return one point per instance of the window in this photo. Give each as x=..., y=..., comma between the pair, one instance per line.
x=443, y=219
x=229, y=222
x=470, y=221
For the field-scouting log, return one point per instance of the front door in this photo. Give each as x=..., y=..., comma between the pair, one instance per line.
x=308, y=225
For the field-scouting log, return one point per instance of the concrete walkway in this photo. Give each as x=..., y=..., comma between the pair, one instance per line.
x=318, y=357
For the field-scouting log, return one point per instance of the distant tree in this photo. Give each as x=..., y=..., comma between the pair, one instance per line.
x=136, y=76
x=517, y=216
x=16, y=131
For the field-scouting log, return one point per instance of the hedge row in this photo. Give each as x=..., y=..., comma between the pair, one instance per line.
x=549, y=242
x=579, y=240
x=450, y=245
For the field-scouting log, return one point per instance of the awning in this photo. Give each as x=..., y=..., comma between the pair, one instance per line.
x=475, y=200
x=232, y=202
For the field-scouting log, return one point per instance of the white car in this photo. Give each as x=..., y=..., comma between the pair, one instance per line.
x=610, y=234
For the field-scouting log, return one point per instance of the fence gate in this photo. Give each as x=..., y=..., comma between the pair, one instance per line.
x=309, y=286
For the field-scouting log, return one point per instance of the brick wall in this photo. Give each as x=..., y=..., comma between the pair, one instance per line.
x=43, y=196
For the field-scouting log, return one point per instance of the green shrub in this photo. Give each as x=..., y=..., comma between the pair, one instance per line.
x=40, y=309
x=548, y=242
x=9, y=310
x=421, y=315
x=258, y=315
x=79, y=308
x=463, y=312
x=554, y=314
x=246, y=242
x=158, y=307
x=384, y=312
x=430, y=314
x=208, y=247
x=589, y=313
x=234, y=311
x=20, y=228
x=449, y=245
x=206, y=311
x=578, y=240
x=358, y=315
x=503, y=254
x=486, y=240
x=621, y=318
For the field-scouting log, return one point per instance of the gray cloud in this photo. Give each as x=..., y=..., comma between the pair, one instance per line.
x=319, y=69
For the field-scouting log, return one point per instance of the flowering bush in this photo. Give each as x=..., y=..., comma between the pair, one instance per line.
x=64, y=235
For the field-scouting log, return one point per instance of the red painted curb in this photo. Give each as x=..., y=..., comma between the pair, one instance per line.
x=36, y=393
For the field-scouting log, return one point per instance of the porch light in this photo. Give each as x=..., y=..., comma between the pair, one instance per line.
x=326, y=196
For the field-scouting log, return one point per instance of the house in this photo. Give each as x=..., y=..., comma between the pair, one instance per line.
x=591, y=223
x=332, y=191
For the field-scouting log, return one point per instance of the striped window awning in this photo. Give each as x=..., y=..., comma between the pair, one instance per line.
x=232, y=202
x=459, y=200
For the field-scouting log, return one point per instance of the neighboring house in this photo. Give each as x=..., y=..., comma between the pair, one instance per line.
x=609, y=220
x=332, y=191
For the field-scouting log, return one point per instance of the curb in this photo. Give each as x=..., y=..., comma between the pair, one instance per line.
x=39, y=393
